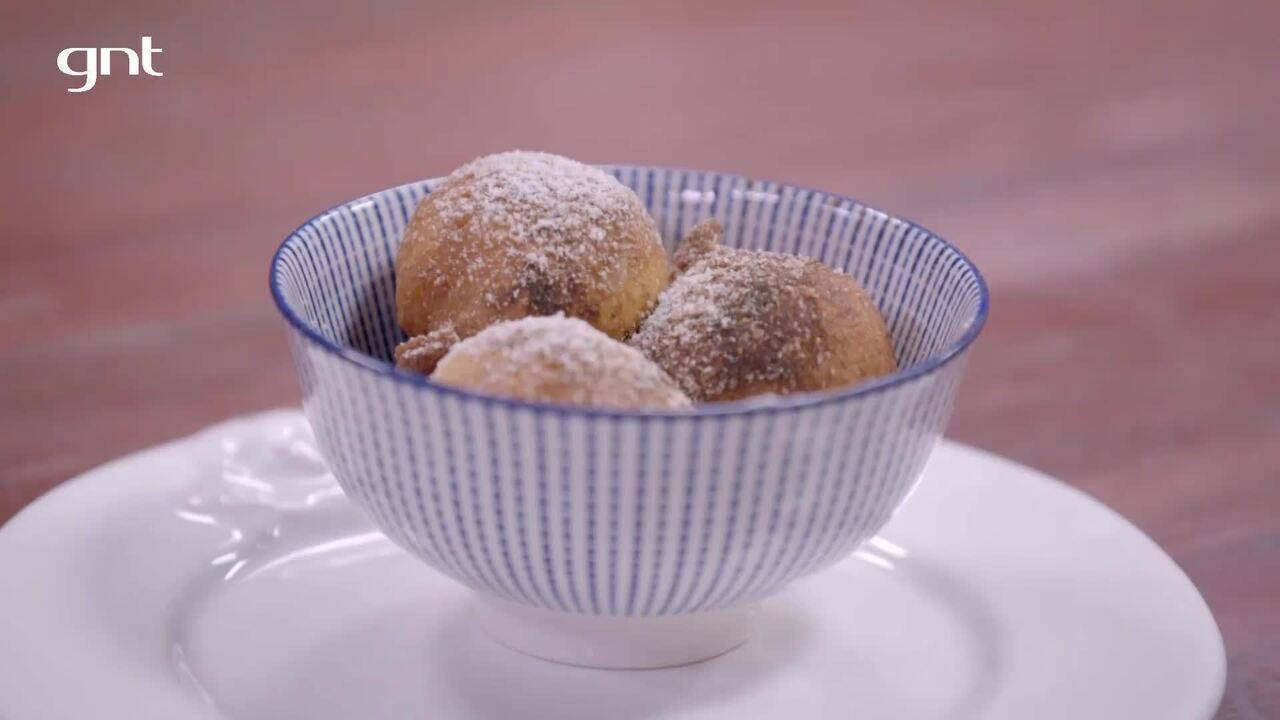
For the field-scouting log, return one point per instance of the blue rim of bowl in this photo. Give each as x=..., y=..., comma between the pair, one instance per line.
x=748, y=406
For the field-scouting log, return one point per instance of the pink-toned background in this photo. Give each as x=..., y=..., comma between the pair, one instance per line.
x=1114, y=168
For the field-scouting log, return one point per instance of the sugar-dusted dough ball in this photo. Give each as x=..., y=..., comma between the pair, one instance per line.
x=523, y=233
x=558, y=359
x=736, y=323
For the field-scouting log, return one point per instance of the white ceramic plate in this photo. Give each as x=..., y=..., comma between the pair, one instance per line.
x=225, y=576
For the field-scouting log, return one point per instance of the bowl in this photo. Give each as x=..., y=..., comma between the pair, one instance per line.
x=615, y=538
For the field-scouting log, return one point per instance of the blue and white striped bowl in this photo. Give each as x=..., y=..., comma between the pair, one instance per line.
x=619, y=538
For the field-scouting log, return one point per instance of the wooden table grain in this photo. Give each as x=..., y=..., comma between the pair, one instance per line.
x=1114, y=168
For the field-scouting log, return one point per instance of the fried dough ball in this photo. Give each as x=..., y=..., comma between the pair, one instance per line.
x=523, y=233
x=558, y=359
x=421, y=352
x=737, y=323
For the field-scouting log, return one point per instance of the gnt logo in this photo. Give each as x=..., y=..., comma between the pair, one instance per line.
x=97, y=62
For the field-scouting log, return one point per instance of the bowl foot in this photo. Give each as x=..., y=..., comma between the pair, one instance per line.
x=616, y=642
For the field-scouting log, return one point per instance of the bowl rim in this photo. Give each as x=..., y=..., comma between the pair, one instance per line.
x=748, y=406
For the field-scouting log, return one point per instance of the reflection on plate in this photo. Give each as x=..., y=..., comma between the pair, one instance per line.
x=225, y=575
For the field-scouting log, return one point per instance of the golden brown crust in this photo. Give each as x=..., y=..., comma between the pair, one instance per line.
x=519, y=234
x=420, y=353
x=702, y=240
x=737, y=323
x=559, y=359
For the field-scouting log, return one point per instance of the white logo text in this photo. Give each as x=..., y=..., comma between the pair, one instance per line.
x=97, y=62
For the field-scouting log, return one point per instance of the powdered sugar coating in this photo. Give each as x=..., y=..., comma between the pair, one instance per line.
x=724, y=306
x=528, y=233
x=422, y=352
x=548, y=208
x=559, y=359
x=736, y=323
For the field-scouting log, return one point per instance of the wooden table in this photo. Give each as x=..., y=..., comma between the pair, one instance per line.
x=1115, y=171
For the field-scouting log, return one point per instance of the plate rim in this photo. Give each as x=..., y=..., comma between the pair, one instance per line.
x=44, y=510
